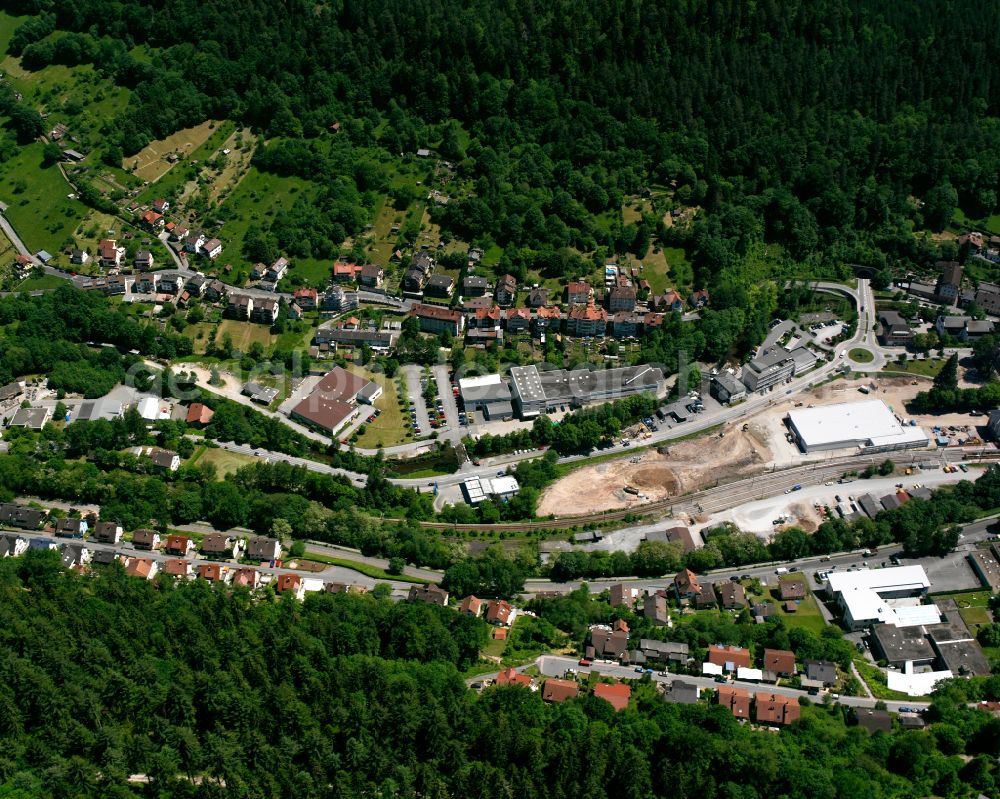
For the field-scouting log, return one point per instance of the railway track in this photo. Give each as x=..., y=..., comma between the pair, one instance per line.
x=718, y=497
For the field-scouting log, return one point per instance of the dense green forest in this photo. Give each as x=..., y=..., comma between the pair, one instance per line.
x=832, y=128
x=210, y=694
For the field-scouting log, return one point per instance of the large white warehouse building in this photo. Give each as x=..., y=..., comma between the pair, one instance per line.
x=869, y=425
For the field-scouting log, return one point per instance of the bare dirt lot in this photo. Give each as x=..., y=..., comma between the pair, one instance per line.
x=658, y=474
x=700, y=462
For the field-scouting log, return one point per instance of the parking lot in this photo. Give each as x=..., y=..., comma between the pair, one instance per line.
x=418, y=407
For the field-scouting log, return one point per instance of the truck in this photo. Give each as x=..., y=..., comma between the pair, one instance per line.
x=864, y=390
x=630, y=490
x=781, y=570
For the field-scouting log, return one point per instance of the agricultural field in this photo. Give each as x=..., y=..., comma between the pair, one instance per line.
x=151, y=164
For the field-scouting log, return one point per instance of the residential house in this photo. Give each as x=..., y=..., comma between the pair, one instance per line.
x=71, y=528
x=422, y=261
x=110, y=253
x=474, y=286
x=12, y=546
x=260, y=548
x=616, y=694
x=822, y=671
x=654, y=608
x=506, y=291
x=115, y=285
x=471, y=606
x=215, y=291
x=371, y=276
x=143, y=260
x=277, y=270
x=165, y=459
x=686, y=584
x=195, y=285
x=430, y=594
x=728, y=657
x=975, y=329
x=434, y=319
x=161, y=206
x=512, y=676
x=178, y=545
x=625, y=324
x=103, y=557
x=264, y=311
x=146, y=539
x=607, y=643
x=291, y=584
x=220, y=545
x=554, y=690
x=518, y=320
x=146, y=284
x=670, y=301
x=735, y=700
x=484, y=318
x=337, y=300
x=153, y=220
x=212, y=572
x=79, y=257
x=664, y=652
x=873, y=720
x=538, y=297
x=178, y=567
x=586, y=320
x=579, y=293
x=776, y=709
x=500, y=613
x=439, y=286
x=170, y=283
x=780, y=662
x=344, y=272
x=894, y=329
x=306, y=298
x=791, y=589
x=951, y=325
x=698, y=299
x=107, y=533
x=622, y=595
x=179, y=233
x=682, y=693
x=145, y=568
x=194, y=241
x=732, y=595
x=548, y=317
x=949, y=282
x=239, y=306
x=414, y=281
x=988, y=298
x=198, y=414
x=246, y=577
x=621, y=298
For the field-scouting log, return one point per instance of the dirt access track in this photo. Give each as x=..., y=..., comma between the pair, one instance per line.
x=658, y=473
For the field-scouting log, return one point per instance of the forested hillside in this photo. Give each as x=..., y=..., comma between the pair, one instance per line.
x=833, y=128
x=207, y=694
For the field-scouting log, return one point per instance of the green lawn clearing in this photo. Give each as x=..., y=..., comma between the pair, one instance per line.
x=878, y=683
x=807, y=614
x=391, y=427
x=224, y=462
x=43, y=283
x=929, y=367
x=244, y=334
x=860, y=355
x=363, y=568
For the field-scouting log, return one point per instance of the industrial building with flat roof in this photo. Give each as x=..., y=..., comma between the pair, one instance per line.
x=332, y=402
x=487, y=393
x=868, y=425
x=864, y=596
x=536, y=391
x=478, y=489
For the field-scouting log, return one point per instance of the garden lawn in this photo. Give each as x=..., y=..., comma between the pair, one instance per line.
x=243, y=334
x=224, y=462
x=185, y=170
x=391, y=427
x=43, y=283
x=929, y=367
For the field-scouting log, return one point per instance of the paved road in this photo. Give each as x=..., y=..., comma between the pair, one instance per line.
x=11, y=234
x=557, y=666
